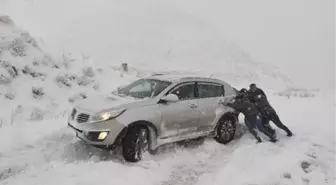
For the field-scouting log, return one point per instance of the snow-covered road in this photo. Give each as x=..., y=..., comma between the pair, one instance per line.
x=47, y=152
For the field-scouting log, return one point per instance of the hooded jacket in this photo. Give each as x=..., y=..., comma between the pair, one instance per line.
x=253, y=95
x=242, y=104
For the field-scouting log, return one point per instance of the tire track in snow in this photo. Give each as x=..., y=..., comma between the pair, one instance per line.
x=189, y=173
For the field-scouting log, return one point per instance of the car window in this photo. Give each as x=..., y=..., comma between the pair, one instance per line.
x=185, y=92
x=145, y=86
x=210, y=90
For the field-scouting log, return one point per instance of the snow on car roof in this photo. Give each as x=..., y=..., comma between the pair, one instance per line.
x=180, y=77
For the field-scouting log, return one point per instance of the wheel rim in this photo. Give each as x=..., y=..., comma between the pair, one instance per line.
x=227, y=129
x=141, y=143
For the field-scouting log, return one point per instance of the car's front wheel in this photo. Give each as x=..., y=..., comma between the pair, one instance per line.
x=135, y=143
x=225, y=130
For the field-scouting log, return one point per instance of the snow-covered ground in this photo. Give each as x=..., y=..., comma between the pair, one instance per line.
x=47, y=152
x=81, y=55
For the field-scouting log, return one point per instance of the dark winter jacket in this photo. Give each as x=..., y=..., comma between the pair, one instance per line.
x=263, y=106
x=253, y=95
x=246, y=107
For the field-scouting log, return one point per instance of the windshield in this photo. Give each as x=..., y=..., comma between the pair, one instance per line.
x=144, y=88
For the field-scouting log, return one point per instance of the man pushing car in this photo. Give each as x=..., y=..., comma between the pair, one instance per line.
x=242, y=104
x=259, y=98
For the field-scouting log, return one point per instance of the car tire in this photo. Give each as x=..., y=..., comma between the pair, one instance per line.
x=135, y=143
x=225, y=129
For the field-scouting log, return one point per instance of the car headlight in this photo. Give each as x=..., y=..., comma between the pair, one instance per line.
x=107, y=115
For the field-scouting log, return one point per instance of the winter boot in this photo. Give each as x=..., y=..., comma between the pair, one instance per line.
x=289, y=133
x=273, y=140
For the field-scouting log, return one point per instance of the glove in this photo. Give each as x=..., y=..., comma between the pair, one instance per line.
x=228, y=99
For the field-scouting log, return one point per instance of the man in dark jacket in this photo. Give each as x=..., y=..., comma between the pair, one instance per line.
x=242, y=104
x=254, y=92
x=258, y=97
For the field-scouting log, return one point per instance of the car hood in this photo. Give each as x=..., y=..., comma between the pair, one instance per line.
x=107, y=102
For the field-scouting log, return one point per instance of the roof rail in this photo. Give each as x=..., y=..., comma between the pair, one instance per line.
x=191, y=77
x=157, y=74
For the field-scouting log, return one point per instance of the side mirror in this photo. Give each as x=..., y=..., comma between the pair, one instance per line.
x=170, y=98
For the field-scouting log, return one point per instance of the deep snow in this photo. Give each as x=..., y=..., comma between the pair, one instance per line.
x=36, y=147
x=48, y=153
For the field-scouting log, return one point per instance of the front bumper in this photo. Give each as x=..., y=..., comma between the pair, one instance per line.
x=88, y=132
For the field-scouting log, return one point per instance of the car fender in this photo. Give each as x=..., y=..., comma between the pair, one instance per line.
x=153, y=132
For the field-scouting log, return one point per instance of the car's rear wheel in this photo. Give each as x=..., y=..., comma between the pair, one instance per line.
x=225, y=130
x=135, y=143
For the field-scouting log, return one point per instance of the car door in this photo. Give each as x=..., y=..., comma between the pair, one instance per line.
x=210, y=96
x=181, y=117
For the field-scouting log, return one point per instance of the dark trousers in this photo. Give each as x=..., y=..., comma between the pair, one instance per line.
x=252, y=124
x=273, y=116
x=266, y=125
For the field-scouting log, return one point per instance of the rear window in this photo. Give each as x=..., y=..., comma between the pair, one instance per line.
x=210, y=90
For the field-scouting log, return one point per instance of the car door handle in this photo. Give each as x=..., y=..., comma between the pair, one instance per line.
x=193, y=105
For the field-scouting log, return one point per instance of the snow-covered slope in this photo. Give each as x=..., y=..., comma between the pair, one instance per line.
x=149, y=35
x=161, y=39
x=36, y=84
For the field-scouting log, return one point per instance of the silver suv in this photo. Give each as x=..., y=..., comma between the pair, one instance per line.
x=153, y=111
